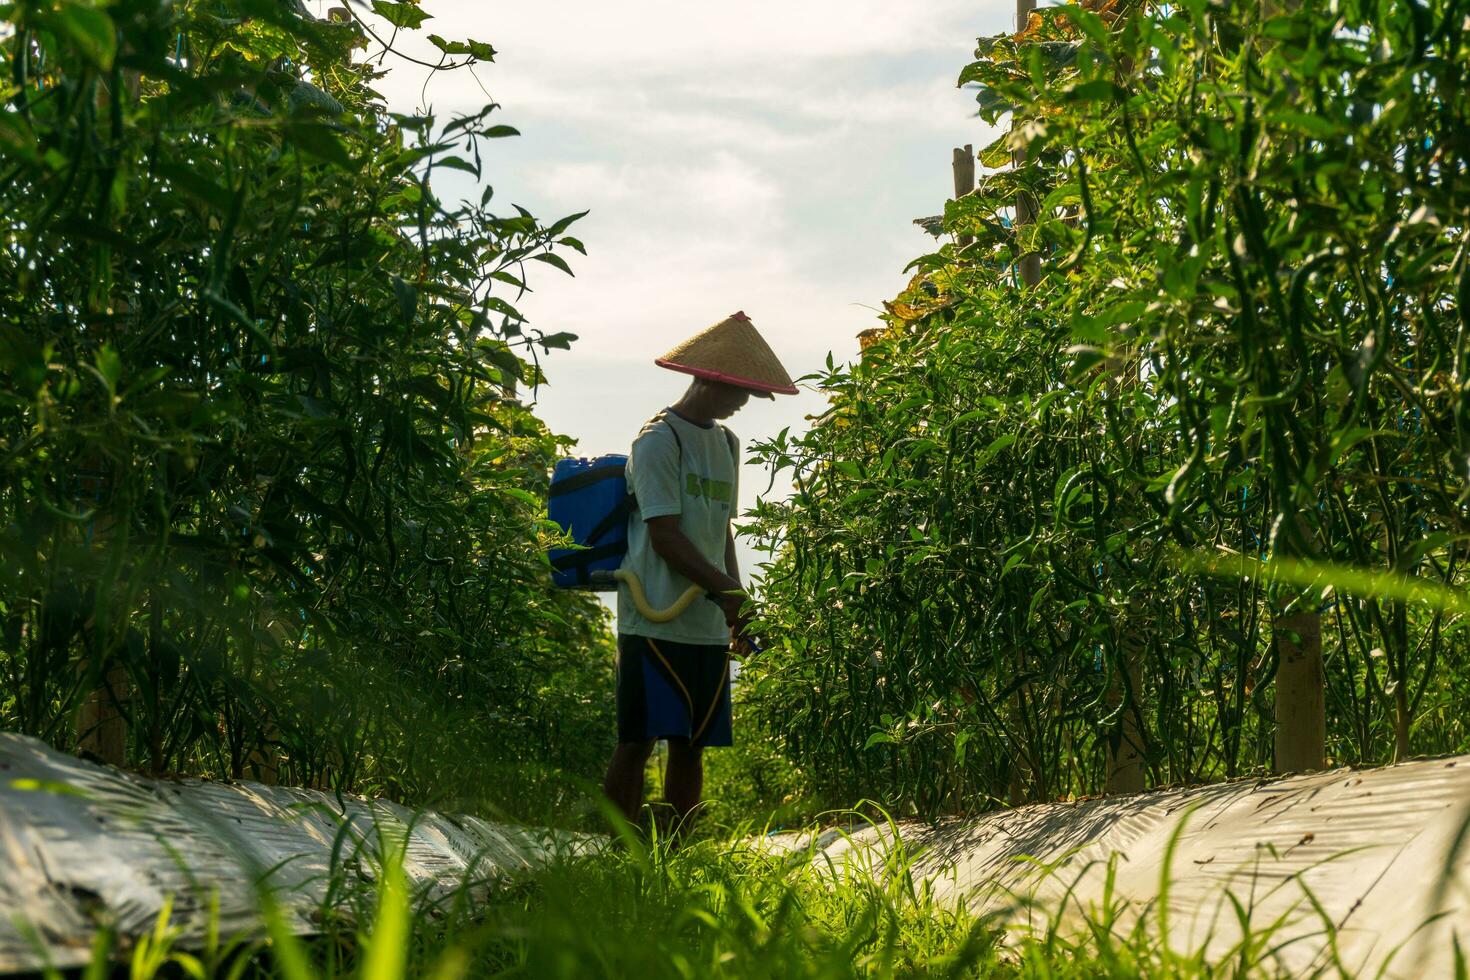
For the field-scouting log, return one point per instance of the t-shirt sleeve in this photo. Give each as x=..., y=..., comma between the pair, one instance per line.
x=655, y=481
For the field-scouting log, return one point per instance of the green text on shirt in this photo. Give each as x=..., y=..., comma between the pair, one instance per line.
x=698, y=486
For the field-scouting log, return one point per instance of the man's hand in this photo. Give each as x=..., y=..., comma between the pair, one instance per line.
x=743, y=642
x=735, y=615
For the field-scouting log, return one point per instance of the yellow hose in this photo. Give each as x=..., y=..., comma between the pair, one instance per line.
x=640, y=600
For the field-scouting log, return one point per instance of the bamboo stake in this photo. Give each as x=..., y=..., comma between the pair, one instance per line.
x=101, y=726
x=1301, y=704
x=1301, y=681
x=1125, y=742
x=1126, y=772
x=102, y=730
x=964, y=178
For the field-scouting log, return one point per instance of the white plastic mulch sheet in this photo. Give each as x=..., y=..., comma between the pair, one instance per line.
x=1358, y=872
x=84, y=846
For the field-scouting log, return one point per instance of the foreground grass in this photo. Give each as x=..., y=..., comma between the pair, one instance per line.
x=715, y=907
x=728, y=910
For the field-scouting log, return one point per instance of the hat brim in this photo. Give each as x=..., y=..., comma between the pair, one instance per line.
x=754, y=387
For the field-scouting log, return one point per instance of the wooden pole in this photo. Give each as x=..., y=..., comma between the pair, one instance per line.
x=101, y=725
x=1301, y=682
x=1125, y=741
x=1301, y=704
x=964, y=178
x=102, y=730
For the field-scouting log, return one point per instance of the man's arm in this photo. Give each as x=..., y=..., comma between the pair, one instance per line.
x=670, y=544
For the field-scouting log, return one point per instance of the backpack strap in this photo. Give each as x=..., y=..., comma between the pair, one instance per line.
x=734, y=447
x=673, y=432
x=622, y=513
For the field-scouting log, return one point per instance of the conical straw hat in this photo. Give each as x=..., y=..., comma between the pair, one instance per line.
x=733, y=352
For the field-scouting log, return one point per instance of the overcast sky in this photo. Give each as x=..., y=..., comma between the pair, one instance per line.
x=764, y=156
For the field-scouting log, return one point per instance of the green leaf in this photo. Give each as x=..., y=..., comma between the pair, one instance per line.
x=478, y=50
x=16, y=137
x=109, y=365
x=449, y=47
x=564, y=223
x=1090, y=24
x=524, y=496
x=1343, y=442
x=968, y=417
x=319, y=141
x=497, y=132
x=416, y=123
x=996, y=446
x=1099, y=90
x=498, y=353
x=408, y=300
x=996, y=155
x=553, y=259
x=1126, y=312
x=1084, y=358
x=1315, y=126
x=879, y=738
x=560, y=341
x=191, y=181
x=502, y=307
x=400, y=14
x=456, y=163
x=89, y=29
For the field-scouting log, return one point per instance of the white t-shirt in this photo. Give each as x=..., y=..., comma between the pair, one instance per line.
x=700, y=484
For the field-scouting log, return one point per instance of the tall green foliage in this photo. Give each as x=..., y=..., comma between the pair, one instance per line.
x=1249, y=339
x=265, y=481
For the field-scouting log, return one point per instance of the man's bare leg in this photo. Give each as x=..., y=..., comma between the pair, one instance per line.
x=684, y=778
x=623, y=784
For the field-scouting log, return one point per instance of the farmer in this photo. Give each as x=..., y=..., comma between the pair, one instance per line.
x=673, y=678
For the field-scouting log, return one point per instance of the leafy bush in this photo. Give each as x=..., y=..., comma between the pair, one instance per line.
x=1018, y=533
x=267, y=492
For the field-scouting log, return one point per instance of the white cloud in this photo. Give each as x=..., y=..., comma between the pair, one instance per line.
x=662, y=35
x=722, y=188
x=766, y=156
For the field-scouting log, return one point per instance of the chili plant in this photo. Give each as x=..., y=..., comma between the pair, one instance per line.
x=267, y=495
x=1248, y=338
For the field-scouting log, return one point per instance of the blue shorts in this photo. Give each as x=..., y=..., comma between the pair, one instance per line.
x=673, y=690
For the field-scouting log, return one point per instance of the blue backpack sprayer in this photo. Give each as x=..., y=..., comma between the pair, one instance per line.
x=589, y=499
